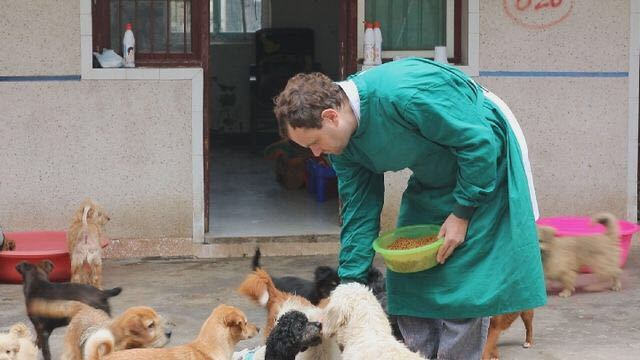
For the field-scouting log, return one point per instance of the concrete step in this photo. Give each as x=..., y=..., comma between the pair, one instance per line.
x=296, y=245
x=224, y=247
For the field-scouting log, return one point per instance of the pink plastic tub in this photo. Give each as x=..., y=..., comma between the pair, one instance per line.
x=583, y=225
x=35, y=246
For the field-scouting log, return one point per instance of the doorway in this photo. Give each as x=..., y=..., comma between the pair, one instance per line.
x=245, y=198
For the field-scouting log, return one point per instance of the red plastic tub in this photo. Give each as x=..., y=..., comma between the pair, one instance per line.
x=583, y=225
x=35, y=246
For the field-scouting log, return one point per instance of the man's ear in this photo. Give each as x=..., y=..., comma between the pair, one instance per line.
x=330, y=115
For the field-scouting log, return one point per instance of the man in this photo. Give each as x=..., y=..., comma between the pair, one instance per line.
x=470, y=173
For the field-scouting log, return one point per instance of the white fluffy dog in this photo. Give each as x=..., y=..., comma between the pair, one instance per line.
x=17, y=344
x=327, y=350
x=360, y=325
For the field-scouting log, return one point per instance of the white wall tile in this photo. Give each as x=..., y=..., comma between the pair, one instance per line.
x=474, y=6
x=197, y=133
x=85, y=7
x=634, y=64
x=142, y=74
x=86, y=56
x=85, y=24
x=106, y=74
x=178, y=74
x=197, y=91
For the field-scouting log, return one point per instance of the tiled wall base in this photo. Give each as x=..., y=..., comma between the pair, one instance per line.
x=222, y=248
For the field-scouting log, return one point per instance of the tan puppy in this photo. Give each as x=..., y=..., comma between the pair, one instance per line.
x=563, y=257
x=259, y=287
x=17, y=344
x=219, y=334
x=500, y=323
x=85, y=238
x=90, y=328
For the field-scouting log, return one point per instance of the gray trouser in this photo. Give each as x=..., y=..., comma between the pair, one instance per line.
x=457, y=339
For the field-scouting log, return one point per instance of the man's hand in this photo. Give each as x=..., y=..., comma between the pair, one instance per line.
x=454, y=231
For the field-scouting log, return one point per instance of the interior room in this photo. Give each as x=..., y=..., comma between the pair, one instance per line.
x=258, y=185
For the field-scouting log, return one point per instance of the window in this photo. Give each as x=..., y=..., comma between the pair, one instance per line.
x=235, y=20
x=411, y=27
x=166, y=31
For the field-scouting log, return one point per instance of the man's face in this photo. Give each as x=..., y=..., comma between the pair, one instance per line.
x=331, y=138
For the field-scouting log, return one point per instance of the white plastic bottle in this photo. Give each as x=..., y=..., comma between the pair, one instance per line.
x=377, y=43
x=369, y=43
x=129, y=48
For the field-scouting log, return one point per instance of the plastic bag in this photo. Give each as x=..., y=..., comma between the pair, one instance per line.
x=109, y=59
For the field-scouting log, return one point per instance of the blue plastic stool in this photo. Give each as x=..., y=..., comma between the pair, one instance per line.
x=319, y=176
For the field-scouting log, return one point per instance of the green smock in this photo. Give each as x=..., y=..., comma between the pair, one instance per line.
x=434, y=120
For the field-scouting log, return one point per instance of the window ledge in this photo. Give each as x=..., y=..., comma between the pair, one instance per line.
x=143, y=73
x=470, y=70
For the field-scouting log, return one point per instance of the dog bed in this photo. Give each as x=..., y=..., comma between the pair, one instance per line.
x=581, y=226
x=35, y=246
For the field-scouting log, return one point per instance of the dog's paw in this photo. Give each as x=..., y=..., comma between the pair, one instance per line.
x=616, y=287
x=526, y=345
x=565, y=293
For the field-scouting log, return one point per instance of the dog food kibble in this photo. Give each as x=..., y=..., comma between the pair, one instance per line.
x=408, y=243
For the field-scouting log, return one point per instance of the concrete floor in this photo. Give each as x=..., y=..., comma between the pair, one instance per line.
x=603, y=325
x=247, y=201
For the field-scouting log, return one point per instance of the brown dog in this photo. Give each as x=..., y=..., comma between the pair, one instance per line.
x=500, y=323
x=8, y=245
x=219, y=334
x=36, y=285
x=259, y=287
x=85, y=238
x=137, y=327
x=562, y=257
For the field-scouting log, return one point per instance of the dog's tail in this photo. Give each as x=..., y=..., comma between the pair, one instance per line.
x=85, y=223
x=55, y=308
x=610, y=222
x=259, y=287
x=20, y=330
x=111, y=292
x=99, y=344
x=255, y=263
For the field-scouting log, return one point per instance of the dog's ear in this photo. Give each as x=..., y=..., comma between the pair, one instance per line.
x=46, y=266
x=21, y=267
x=324, y=272
x=135, y=327
x=233, y=319
x=333, y=319
x=546, y=233
x=20, y=330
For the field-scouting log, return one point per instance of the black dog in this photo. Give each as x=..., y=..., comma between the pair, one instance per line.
x=36, y=285
x=378, y=286
x=325, y=280
x=293, y=334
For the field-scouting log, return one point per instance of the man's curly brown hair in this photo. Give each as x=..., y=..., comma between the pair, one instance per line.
x=302, y=101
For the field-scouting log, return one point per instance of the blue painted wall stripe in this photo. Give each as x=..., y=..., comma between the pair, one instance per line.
x=574, y=74
x=40, y=78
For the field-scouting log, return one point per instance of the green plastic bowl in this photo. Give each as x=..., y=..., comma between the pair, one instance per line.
x=410, y=260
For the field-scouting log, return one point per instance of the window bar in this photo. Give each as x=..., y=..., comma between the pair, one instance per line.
x=166, y=30
x=405, y=37
x=184, y=26
x=120, y=25
x=421, y=8
x=135, y=14
x=392, y=24
x=151, y=21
